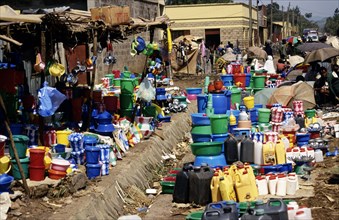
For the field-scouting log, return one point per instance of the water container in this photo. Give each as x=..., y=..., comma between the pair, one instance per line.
x=278, y=212
x=226, y=188
x=215, y=192
x=269, y=153
x=225, y=210
x=247, y=150
x=280, y=153
x=212, y=161
x=227, y=79
x=281, y=185
x=291, y=186
x=221, y=102
x=245, y=190
x=199, y=185
x=231, y=149
x=92, y=154
x=181, y=187
x=258, y=155
x=202, y=103
x=262, y=185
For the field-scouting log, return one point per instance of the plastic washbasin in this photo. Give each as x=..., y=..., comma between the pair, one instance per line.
x=206, y=148
x=200, y=119
x=194, y=91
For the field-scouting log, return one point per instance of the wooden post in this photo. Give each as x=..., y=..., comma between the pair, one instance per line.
x=17, y=159
x=42, y=77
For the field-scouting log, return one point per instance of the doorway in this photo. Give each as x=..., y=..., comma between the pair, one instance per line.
x=212, y=37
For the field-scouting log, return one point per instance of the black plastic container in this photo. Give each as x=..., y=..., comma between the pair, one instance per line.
x=181, y=187
x=231, y=149
x=199, y=185
x=247, y=150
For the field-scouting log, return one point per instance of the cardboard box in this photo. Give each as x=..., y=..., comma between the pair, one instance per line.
x=111, y=15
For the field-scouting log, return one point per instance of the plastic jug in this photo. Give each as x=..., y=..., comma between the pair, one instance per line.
x=258, y=154
x=318, y=155
x=272, y=184
x=181, y=187
x=199, y=185
x=231, y=149
x=280, y=152
x=306, y=215
x=249, y=169
x=215, y=187
x=247, y=150
x=233, y=119
x=224, y=213
x=276, y=212
x=226, y=188
x=243, y=116
x=281, y=185
x=245, y=190
x=269, y=153
x=291, y=185
x=262, y=185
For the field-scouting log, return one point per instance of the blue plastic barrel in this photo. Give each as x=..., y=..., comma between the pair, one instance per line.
x=253, y=114
x=248, y=79
x=92, y=154
x=202, y=103
x=221, y=102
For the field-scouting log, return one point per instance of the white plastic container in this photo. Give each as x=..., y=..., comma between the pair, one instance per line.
x=307, y=212
x=303, y=152
x=291, y=213
x=281, y=186
x=258, y=155
x=296, y=152
x=262, y=185
x=318, y=155
x=293, y=204
x=286, y=142
x=310, y=152
x=289, y=155
x=272, y=185
x=301, y=215
x=291, y=185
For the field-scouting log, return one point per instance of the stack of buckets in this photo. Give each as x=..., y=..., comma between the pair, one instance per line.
x=93, y=167
x=76, y=141
x=21, y=144
x=127, y=86
x=241, y=77
x=36, y=165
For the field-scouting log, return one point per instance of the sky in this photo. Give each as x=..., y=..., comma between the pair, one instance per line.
x=318, y=8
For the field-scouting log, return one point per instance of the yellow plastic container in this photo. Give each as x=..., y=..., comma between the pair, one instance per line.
x=280, y=152
x=245, y=190
x=227, y=188
x=215, y=192
x=4, y=164
x=62, y=137
x=251, y=175
x=268, y=150
x=249, y=102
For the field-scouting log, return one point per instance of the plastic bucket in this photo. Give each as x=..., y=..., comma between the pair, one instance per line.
x=253, y=114
x=239, y=80
x=248, y=79
x=117, y=82
x=249, y=102
x=36, y=173
x=221, y=102
x=90, y=141
x=227, y=79
x=202, y=103
x=21, y=144
x=15, y=169
x=92, y=154
x=59, y=148
x=201, y=137
x=259, y=81
x=4, y=164
x=200, y=119
x=212, y=161
x=111, y=103
x=36, y=157
x=127, y=86
x=236, y=95
x=220, y=138
x=2, y=145
x=126, y=101
x=219, y=123
x=310, y=113
x=264, y=115
x=62, y=137
x=110, y=78
x=126, y=74
x=93, y=170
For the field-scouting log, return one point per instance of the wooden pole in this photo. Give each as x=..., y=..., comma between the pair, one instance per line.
x=250, y=23
x=271, y=26
x=17, y=159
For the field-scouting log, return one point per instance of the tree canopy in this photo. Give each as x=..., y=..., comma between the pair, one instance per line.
x=332, y=24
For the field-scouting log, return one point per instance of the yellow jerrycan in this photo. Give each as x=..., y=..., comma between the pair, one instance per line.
x=215, y=191
x=232, y=171
x=227, y=188
x=244, y=189
x=268, y=150
x=251, y=175
x=280, y=152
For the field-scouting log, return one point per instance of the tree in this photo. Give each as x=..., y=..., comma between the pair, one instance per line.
x=332, y=23
x=308, y=15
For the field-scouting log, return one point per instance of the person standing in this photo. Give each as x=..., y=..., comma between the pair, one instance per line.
x=321, y=88
x=333, y=81
x=268, y=49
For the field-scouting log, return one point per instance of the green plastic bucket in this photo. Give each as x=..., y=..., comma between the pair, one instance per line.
x=15, y=169
x=128, y=113
x=219, y=123
x=264, y=115
x=235, y=95
x=127, y=86
x=252, y=83
x=149, y=111
x=259, y=81
x=110, y=77
x=126, y=74
x=117, y=82
x=310, y=113
x=21, y=143
x=195, y=215
x=201, y=129
x=126, y=101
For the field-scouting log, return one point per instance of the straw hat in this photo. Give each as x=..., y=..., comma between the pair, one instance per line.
x=56, y=69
